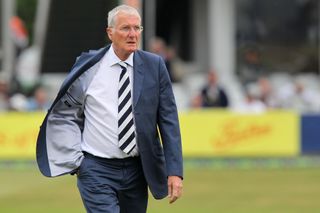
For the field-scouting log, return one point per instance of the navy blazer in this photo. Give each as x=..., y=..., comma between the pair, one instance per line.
x=58, y=144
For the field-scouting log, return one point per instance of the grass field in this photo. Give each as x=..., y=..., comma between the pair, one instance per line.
x=222, y=190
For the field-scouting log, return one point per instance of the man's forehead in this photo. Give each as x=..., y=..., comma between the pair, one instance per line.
x=123, y=16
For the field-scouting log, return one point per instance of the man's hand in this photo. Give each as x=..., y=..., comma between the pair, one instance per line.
x=174, y=188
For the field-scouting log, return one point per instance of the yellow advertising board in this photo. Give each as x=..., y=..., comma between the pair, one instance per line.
x=204, y=133
x=18, y=134
x=223, y=133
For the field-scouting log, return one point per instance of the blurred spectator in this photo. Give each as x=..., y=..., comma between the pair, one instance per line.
x=253, y=102
x=4, y=96
x=20, y=37
x=27, y=72
x=266, y=93
x=158, y=46
x=39, y=100
x=212, y=95
x=251, y=68
x=298, y=97
x=19, y=33
x=196, y=102
x=18, y=102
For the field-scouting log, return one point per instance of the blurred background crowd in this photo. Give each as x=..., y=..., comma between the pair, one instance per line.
x=243, y=55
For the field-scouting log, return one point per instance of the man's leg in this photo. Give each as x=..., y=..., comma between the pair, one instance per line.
x=133, y=196
x=97, y=186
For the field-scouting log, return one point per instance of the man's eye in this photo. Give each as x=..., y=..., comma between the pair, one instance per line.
x=126, y=29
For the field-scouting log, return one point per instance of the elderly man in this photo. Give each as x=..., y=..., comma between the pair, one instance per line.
x=106, y=123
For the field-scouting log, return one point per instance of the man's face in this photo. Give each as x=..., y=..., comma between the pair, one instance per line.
x=125, y=35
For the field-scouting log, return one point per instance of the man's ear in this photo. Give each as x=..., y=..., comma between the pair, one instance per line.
x=109, y=32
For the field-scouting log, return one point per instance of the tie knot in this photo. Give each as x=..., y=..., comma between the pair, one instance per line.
x=123, y=64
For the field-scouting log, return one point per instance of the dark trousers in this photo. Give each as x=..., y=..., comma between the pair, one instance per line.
x=112, y=185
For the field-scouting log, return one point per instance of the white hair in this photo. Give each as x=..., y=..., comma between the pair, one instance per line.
x=121, y=8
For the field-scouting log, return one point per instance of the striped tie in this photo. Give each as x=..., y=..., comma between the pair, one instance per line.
x=127, y=140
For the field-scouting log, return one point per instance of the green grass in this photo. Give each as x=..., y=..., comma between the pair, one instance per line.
x=206, y=190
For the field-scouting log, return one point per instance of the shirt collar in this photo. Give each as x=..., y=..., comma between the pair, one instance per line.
x=114, y=59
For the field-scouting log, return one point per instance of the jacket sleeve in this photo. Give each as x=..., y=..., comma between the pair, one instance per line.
x=168, y=123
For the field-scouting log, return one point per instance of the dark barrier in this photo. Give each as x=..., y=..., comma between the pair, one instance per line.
x=310, y=134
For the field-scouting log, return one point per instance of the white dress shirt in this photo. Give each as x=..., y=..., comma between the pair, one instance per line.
x=100, y=134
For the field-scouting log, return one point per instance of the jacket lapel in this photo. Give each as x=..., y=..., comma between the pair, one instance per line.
x=138, y=76
x=85, y=62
